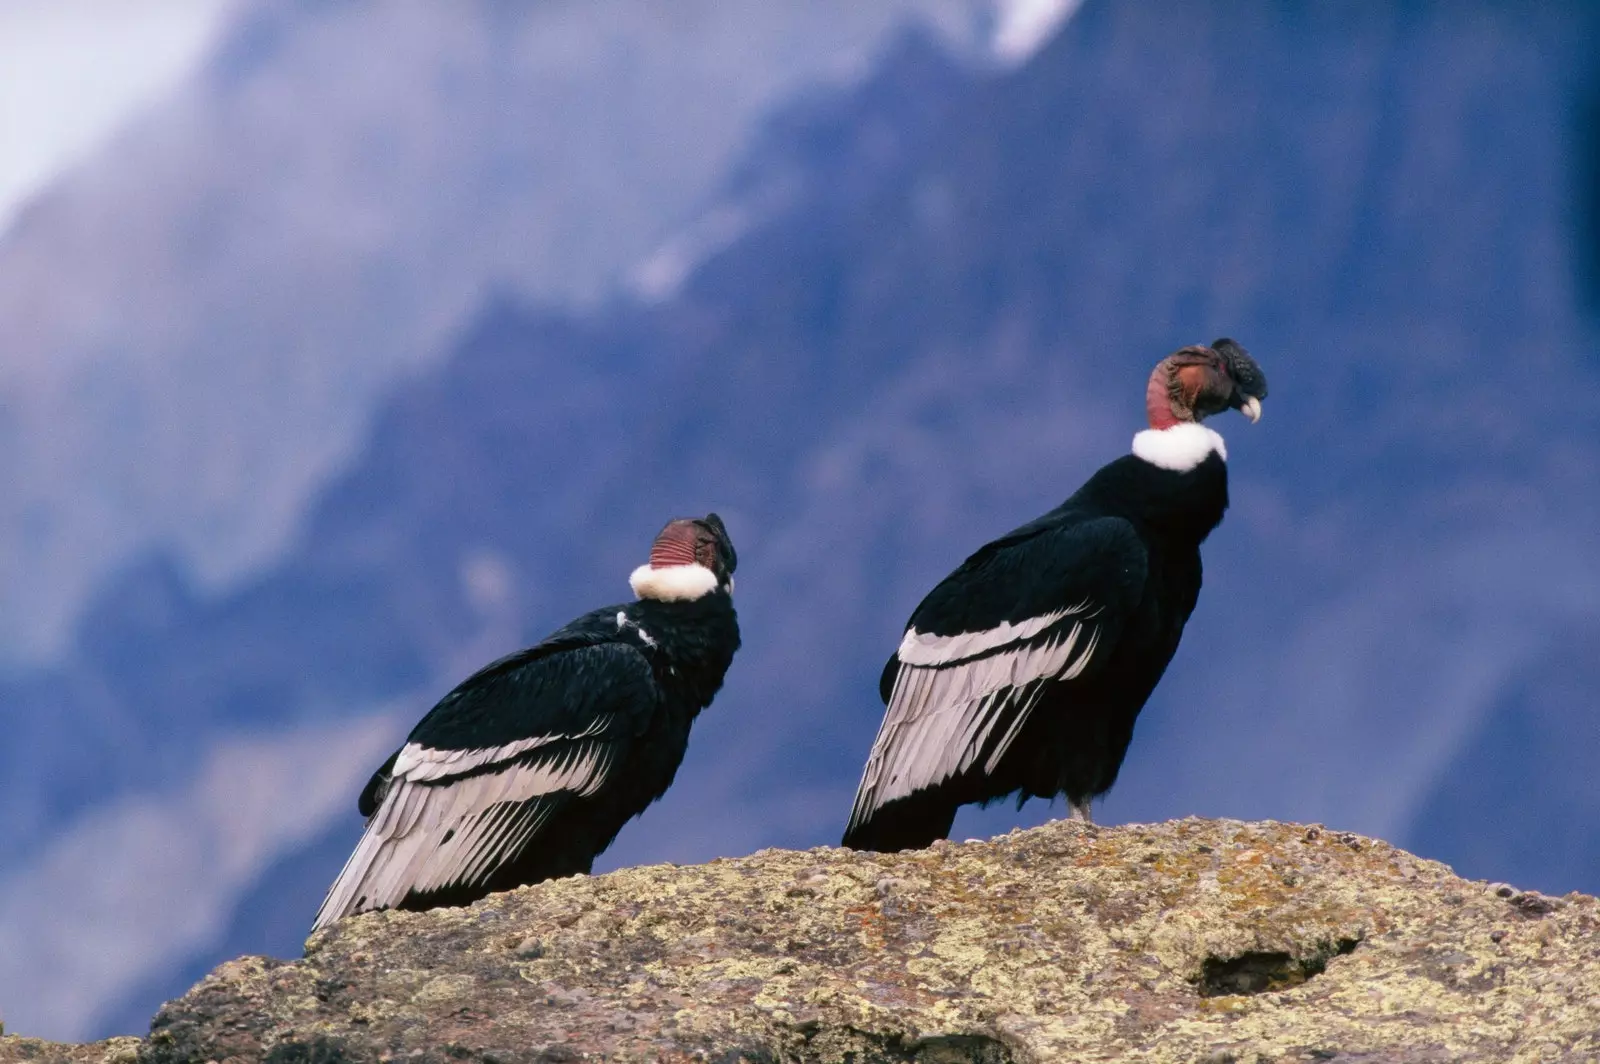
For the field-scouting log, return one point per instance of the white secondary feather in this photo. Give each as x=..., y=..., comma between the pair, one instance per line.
x=947, y=700
x=1179, y=448
x=925, y=648
x=673, y=583
x=429, y=834
x=418, y=762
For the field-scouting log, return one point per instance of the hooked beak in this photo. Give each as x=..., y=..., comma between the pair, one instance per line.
x=1251, y=408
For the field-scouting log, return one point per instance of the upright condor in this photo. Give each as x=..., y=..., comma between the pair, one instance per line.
x=529, y=768
x=1022, y=672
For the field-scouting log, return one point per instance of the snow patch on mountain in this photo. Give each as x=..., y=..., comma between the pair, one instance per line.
x=1023, y=26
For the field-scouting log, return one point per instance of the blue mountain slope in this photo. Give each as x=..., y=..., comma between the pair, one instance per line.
x=938, y=322
x=1518, y=801
x=198, y=320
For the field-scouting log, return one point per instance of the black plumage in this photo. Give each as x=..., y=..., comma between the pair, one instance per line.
x=1022, y=672
x=528, y=769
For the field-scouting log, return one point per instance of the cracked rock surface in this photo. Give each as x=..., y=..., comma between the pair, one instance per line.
x=1192, y=940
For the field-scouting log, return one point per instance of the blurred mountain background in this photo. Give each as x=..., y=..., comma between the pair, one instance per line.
x=383, y=340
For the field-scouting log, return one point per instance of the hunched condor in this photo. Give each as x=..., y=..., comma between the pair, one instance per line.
x=1023, y=670
x=529, y=768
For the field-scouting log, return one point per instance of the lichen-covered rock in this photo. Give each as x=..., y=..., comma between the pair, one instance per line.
x=1187, y=941
x=15, y=1050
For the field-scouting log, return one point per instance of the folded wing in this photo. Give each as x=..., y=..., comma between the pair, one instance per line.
x=1041, y=606
x=481, y=776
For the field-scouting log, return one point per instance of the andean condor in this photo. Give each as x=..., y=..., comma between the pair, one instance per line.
x=529, y=768
x=1022, y=672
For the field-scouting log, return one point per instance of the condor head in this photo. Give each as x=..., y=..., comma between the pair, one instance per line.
x=1193, y=383
x=690, y=558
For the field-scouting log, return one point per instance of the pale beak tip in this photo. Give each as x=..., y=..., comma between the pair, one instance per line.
x=1251, y=409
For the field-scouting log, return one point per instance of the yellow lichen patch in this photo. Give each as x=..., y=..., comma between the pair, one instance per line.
x=444, y=988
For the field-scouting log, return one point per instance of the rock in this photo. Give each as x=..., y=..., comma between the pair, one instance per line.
x=1185, y=941
x=14, y=1050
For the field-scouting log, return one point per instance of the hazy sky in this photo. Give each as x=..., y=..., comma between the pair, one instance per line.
x=72, y=70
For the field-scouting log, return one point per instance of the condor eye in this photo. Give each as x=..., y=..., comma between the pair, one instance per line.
x=707, y=552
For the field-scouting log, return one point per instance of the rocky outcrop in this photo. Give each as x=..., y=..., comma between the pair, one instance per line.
x=35, y=1051
x=1192, y=940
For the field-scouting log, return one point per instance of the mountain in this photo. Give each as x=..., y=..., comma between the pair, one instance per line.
x=1516, y=802
x=928, y=314
x=196, y=325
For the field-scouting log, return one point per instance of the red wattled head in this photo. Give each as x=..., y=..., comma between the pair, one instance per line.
x=1195, y=382
x=695, y=541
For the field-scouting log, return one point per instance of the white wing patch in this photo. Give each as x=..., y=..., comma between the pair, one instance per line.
x=922, y=648
x=418, y=762
x=1179, y=448
x=433, y=831
x=948, y=701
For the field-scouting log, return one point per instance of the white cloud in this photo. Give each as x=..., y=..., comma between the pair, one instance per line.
x=72, y=71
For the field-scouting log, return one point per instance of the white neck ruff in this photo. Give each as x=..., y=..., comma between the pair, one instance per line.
x=1179, y=448
x=673, y=583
